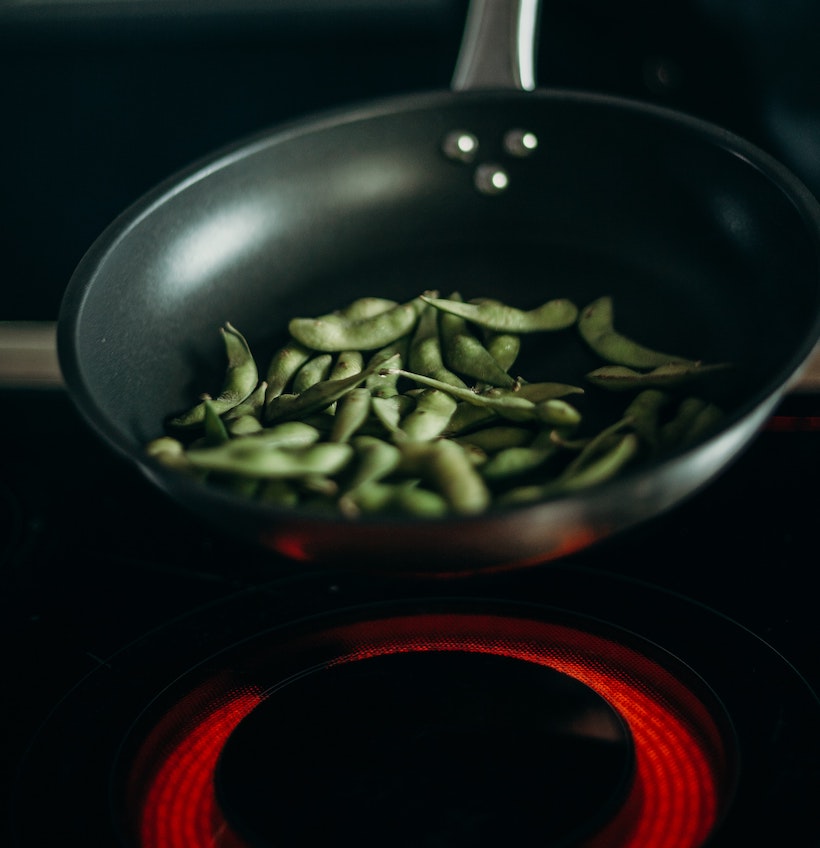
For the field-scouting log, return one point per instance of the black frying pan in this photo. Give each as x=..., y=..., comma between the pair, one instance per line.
x=708, y=247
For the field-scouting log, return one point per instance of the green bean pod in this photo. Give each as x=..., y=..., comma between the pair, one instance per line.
x=673, y=432
x=557, y=412
x=644, y=412
x=606, y=466
x=618, y=378
x=374, y=459
x=283, y=366
x=497, y=438
x=424, y=355
x=334, y=332
x=404, y=498
x=365, y=307
x=595, y=324
x=516, y=460
x=381, y=383
x=244, y=425
x=704, y=423
x=216, y=433
x=288, y=434
x=351, y=412
x=503, y=347
x=555, y=314
x=429, y=417
x=252, y=405
x=315, y=370
x=465, y=354
x=278, y=491
x=389, y=411
x=346, y=364
x=506, y=405
x=324, y=458
x=450, y=470
x=591, y=449
x=317, y=397
x=169, y=451
x=469, y=418
x=241, y=377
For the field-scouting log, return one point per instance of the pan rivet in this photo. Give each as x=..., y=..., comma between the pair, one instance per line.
x=491, y=179
x=460, y=145
x=520, y=143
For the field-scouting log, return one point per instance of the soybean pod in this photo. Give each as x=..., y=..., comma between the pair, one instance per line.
x=335, y=332
x=465, y=354
x=241, y=377
x=595, y=324
x=556, y=314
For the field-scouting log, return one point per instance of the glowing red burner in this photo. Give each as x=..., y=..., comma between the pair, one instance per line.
x=180, y=808
x=681, y=781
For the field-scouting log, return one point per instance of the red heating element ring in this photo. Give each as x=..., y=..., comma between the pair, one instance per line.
x=681, y=784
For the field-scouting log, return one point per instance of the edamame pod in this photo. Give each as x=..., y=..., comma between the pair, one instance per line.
x=169, y=451
x=643, y=414
x=405, y=498
x=465, y=354
x=288, y=434
x=390, y=410
x=324, y=458
x=619, y=378
x=316, y=369
x=365, y=307
x=499, y=437
x=555, y=314
x=351, y=412
x=506, y=405
x=424, y=355
x=278, y=491
x=314, y=399
x=252, y=405
x=503, y=347
x=558, y=412
x=429, y=417
x=704, y=423
x=244, y=425
x=348, y=363
x=674, y=431
x=241, y=378
x=283, y=366
x=605, y=466
x=451, y=471
x=334, y=332
x=513, y=461
x=595, y=324
x=374, y=459
x=215, y=431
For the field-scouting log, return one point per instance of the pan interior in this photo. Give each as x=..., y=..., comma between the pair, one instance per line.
x=703, y=253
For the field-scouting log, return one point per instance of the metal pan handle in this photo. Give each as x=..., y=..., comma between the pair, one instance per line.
x=499, y=46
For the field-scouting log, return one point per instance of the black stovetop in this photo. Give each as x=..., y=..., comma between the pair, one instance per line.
x=93, y=557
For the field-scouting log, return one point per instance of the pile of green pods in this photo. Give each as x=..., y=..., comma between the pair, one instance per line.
x=414, y=408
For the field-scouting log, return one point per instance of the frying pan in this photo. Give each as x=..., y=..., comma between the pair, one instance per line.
x=707, y=245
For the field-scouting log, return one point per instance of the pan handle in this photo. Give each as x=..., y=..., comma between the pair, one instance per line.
x=499, y=46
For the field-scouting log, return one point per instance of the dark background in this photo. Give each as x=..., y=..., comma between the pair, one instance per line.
x=102, y=100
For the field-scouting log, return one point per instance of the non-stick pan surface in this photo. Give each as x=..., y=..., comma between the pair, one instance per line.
x=707, y=245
